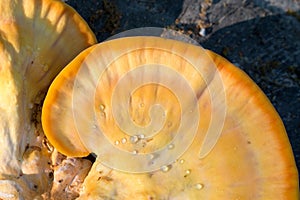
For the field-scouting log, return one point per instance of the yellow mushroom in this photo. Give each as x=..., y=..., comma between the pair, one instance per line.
x=37, y=39
x=168, y=120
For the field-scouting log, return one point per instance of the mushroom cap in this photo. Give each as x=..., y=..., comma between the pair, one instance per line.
x=37, y=39
x=63, y=135
x=240, y=149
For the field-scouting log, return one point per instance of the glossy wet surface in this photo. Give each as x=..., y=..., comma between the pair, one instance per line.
x=260, y=37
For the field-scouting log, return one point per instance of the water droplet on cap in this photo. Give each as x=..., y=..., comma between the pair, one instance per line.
x=102, y=107
x=187, y=172
x=142, y=136
x=134, y=139
x=199, y=186
x=124, y=140
x=165, y=168
x=135, y=152
x=117, y=142
x=171, y=146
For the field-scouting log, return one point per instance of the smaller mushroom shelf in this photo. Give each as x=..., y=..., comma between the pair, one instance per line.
x=36, y=43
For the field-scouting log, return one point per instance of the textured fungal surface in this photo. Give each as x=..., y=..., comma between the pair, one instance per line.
x=127, y=108
x=248, y=158
x=261, y=37
x=36, y=42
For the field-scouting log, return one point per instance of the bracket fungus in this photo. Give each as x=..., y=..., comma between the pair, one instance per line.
x=168, y=120
x=37, y=39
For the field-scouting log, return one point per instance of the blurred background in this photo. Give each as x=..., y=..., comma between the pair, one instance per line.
x=262, y=37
